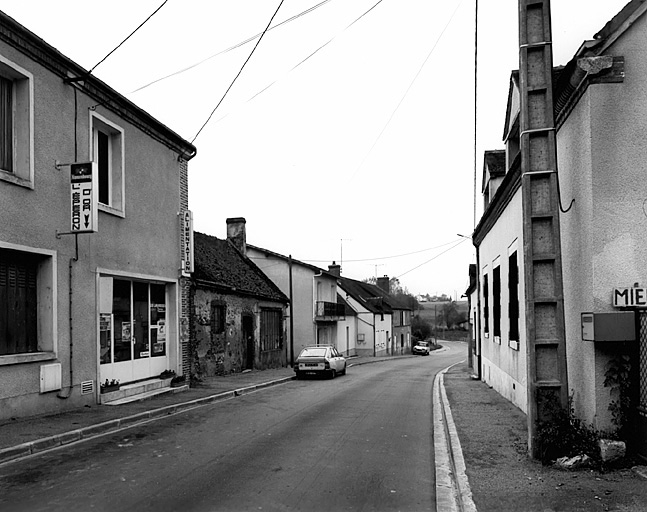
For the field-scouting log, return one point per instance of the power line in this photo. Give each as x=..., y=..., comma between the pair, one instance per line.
x=239, y=72
x=119, y=45
x=384, y=257
x=430, y=260
x=406, y=92
x=237, y=45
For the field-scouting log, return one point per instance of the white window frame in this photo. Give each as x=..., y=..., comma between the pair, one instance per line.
x=47, y=310
x=23, y=124
x=116, y=159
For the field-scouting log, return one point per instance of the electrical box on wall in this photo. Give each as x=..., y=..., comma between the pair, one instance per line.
x=615, y=326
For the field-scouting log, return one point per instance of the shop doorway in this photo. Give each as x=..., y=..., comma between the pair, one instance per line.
x=132, y=330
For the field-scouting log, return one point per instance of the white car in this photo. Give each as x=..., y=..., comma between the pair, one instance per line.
x=320, y=360
x=422, y=348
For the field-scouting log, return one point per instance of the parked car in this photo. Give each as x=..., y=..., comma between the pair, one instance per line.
x=422, y=348
x=320, y=360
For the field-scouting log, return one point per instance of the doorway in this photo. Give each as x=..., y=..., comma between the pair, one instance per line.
x=248, y=336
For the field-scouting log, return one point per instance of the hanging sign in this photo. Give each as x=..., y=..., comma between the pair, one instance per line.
x=83, y=197
x=187, y=245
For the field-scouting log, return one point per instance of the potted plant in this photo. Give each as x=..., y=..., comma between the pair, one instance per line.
x=109, y=386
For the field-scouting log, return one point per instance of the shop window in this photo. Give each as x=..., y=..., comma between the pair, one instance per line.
x=271, y=329
x=26, y=306
x=108, y=153
x=16, y=125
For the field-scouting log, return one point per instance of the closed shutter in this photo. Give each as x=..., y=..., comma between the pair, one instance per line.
x=18, y=303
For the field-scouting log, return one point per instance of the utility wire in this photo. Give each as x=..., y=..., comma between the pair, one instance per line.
x=430, y=260
x=406, y=92
x=237, y=45
x=239, y=72
x=119, y=45
x=320, y=48
x=384, y=257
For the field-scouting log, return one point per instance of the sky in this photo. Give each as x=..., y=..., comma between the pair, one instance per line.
x=349, y=134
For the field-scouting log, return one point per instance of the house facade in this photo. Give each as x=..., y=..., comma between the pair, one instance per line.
x=93, y=266
x=238, y=315
x=600, y=105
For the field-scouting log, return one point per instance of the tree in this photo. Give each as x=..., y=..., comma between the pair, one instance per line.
x=450, y=316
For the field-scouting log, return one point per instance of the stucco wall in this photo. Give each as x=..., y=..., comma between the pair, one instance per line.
x=277, y=269
x=144, y=243
x=601, y=155
x=503, y=366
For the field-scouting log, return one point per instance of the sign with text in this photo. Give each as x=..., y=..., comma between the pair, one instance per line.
x=83, y=197
x=630, y=297
x=186, y=221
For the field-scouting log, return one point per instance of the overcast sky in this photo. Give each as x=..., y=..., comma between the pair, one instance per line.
x=361, y=153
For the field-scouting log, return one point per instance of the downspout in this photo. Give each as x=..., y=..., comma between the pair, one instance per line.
x=477, y=327
x=70, y=303
x=291, y=313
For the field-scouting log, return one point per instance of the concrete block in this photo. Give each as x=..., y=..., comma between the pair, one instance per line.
x=611, y=450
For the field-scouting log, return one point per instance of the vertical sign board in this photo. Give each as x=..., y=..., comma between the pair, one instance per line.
x=187, y=236
x=83, y=197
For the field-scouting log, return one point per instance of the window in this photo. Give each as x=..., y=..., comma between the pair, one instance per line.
x=486, y=306
x=16, y=125
x=271, y=329
x=496, y=301
x=218, y=312
x=27, y=308
x=108, y=152
x=513, y=306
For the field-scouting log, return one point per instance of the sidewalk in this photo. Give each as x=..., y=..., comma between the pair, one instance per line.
x=25, y=436
x=493, y=439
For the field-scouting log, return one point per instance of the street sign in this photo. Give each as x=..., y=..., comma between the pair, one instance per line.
x=83, y=197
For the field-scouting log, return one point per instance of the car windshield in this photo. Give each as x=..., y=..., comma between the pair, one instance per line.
x=423, y=343
x=313, y=352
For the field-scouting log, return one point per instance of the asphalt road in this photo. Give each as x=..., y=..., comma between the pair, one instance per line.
x=359, y=442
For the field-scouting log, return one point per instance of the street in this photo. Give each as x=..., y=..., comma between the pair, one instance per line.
x=359, y=442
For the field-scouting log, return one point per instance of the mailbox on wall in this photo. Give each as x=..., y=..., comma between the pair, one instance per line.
x=615, y=326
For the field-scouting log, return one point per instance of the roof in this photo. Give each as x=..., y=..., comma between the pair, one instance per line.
x=493, y=164
x=219, y=264
x=371, y=296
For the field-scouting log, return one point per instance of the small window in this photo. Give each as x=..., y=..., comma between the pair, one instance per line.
x=16, y=125
x=496, y=301
x=108, y=153
x=218, y=318
x=486, y=306
x=513, y=306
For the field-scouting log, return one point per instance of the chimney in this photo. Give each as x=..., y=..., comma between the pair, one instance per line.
x=236, y=234
x=383, y=284
x=334, y=269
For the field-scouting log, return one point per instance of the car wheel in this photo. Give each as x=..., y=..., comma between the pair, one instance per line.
x=298, y=375
x=343, y=372
x=333, y=374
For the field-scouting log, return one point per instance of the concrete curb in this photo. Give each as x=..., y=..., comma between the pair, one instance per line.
x=115, y=425
x=453, y=491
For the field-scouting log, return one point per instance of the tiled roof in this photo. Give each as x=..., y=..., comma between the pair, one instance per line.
x=371, y=296
x=219, y=264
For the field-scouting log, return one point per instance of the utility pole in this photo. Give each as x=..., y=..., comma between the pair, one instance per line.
x=341, y=249
x=544, y=296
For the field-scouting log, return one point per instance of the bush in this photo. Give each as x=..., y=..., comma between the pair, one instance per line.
x=562, y=434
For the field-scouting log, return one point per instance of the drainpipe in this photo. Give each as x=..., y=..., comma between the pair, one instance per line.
x=291, y=313
x=76, y=258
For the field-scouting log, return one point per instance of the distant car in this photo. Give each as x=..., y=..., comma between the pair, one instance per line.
x=320, y=360
x=422, y=348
